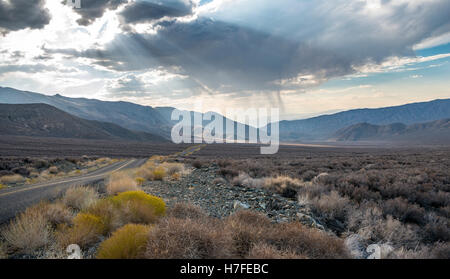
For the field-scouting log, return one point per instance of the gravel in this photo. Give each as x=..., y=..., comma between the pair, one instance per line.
x=219, y=198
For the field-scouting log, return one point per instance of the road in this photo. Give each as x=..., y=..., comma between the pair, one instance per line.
x=16, y=199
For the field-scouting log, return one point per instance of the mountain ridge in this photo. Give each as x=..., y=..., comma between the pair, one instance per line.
x=42, y=120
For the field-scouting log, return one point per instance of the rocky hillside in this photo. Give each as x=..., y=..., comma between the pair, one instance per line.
x=42, y=120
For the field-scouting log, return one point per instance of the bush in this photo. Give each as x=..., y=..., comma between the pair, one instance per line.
x=159, y=173
x=86, y=230
x=111, y=215
x=129, y=242
x=187, y=239
x=2, y=186
x=120, y=182
x=187, y=211
x=173, y=168
x=55, y=213
x=3, y=254
x=140, y=181
x=80, y=197
x=53, y=170
x=284, y=185
x=139, y=206
x=28, y=231
x=12, y=179
x=263, y=251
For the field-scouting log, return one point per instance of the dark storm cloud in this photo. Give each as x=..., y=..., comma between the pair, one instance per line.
x=93, y=9
x=229, y=57
x=21, y=14
x=219, y=55
x=147, y=11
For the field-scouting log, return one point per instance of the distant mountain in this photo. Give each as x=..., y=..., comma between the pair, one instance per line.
x=128, y=115
x=42, y=120
x=322, y=127
x=435, y=131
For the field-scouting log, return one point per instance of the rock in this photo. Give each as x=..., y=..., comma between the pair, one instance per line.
x=237, y=205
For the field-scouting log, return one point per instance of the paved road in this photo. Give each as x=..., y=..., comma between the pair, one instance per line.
x=17, y=199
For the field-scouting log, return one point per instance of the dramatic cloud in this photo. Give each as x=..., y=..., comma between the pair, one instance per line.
x=174, y=49
x=147, y=11
x=20, y=14
x=94, y=9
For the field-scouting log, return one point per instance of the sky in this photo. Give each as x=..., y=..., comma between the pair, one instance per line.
x=305, y=57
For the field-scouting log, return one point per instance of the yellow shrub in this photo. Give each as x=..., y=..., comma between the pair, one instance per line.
x=159, y=173
x=129, y=242
x=140, y=204
x=2, y=186
x=86, y=230
x=140, y=181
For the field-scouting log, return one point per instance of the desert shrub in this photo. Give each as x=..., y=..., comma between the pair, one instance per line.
x=21, y=171
x=55, y=213
x=86, y=230
x=80, y=197
x=246, y=229
x=3, y=253
x=28, y=231
x=140, y=181
x=173, y=168
x=262, y=251
x=139, y=206
x=245, y=180
x=404, y=211
x=187, y=211
x=197, y=164
x=331, y=206
x=120, y=182
x=12, y=179
x=306, y=241
x=159, y=173
x=53, y=170
x=2, y=186
x=228, y=172
x=187, y=239
x=111, y=216
x=284, y=185
x=128, y=242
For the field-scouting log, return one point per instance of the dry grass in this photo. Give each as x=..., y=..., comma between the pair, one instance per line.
x=12, y=179
x=80, y=197
x=55, y=213
x=28, y=231
x=53, y=170
x=186, y=239
x=86, y=230
x=284, y=185
x=129, y=242
x=262, y=251
x=120, y=182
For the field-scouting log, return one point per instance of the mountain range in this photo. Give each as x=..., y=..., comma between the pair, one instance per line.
x=352, y=125
x=42, y=120
x=434, y=131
